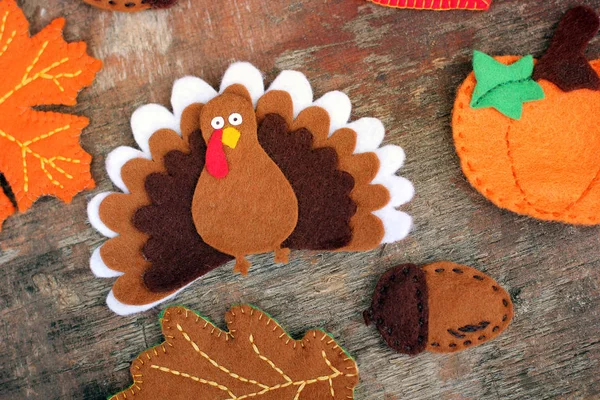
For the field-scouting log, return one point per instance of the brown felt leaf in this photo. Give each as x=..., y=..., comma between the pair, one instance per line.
x=256, y=358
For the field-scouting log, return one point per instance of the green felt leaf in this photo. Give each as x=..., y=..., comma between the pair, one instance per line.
x=504, y=87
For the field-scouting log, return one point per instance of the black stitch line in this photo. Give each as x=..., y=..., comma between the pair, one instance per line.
x=497, y=86
x=456, y=334
x=474, y=328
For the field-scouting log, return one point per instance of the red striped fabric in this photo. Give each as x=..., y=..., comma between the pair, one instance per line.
x=474, y=5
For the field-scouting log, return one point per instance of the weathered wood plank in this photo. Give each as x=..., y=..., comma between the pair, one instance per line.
x=59, y=341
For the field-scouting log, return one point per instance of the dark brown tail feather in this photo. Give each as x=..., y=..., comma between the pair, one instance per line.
x=177, y=254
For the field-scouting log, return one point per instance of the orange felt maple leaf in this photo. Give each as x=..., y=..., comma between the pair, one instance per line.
x=39, y=151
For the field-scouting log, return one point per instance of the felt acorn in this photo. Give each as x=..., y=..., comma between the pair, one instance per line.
x=130, y=5
x=238, y=172
x=526, y=132
x=442, y=307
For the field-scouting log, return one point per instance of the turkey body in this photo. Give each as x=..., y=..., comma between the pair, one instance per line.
x=253, y=208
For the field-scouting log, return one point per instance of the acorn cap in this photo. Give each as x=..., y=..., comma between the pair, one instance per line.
x=399, y=309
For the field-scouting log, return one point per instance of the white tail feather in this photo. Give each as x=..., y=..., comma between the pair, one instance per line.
x=296, y=84
x=146, y=120
x=189, y=90
x=93, y=211
x=99, y=268
x=369, y=134
x=397, y=224
x=245, y=74
x=115, y=161
x=338, y=106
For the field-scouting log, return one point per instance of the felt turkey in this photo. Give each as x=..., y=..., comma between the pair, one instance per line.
x=237, y=172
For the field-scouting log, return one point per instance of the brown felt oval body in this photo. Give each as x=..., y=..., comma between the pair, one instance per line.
x=466, y=307
x=130, y=5
x=443, y=307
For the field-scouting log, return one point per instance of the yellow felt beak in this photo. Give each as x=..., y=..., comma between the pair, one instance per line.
x=231, y=136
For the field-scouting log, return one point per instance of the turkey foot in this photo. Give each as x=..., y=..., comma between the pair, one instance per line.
x=241, y=265
x=282, y=256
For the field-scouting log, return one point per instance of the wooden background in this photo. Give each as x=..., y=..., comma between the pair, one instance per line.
x=58, y=340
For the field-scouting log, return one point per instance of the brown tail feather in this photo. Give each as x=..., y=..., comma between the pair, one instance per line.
x=366, y=229
x=322, y=190
x=176, y=253
x=116, y=211
x=190, y=120
x=124, y=253
x=363, y=168
x=275, y=102
x=316, y=121
x=134, y=173
x=164, y=141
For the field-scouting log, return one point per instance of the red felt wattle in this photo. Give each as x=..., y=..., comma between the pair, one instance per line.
x=216, y=162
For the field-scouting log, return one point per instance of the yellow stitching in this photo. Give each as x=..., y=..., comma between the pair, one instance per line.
x=26, y=80
x=24, y=146
x=10, y=39
x=8, y=42
x=301, y=383
x=3, y=25
x=271, y=363
x=300, y=389
x=216, y=364
x=195, y=378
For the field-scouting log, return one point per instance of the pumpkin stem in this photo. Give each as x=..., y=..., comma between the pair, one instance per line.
x=565, y=64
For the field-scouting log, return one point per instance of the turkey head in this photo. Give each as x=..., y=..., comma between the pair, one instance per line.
x=243, y=204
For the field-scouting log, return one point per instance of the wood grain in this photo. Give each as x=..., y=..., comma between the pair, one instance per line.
x=58, y=340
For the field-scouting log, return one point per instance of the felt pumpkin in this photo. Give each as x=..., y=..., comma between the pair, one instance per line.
x=527, y=131
x=130, y=5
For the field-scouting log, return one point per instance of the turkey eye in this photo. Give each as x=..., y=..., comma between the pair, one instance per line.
x=235, y=119
x=217, y=122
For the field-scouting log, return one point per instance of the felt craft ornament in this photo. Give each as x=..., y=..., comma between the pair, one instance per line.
x=240, y=172
x=442, y=308
x=255, y=358
x=130, y=5
x=526, y=131
x=39, y=151
x=437, y=5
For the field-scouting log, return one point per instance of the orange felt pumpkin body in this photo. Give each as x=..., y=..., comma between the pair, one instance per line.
x=545, y=165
